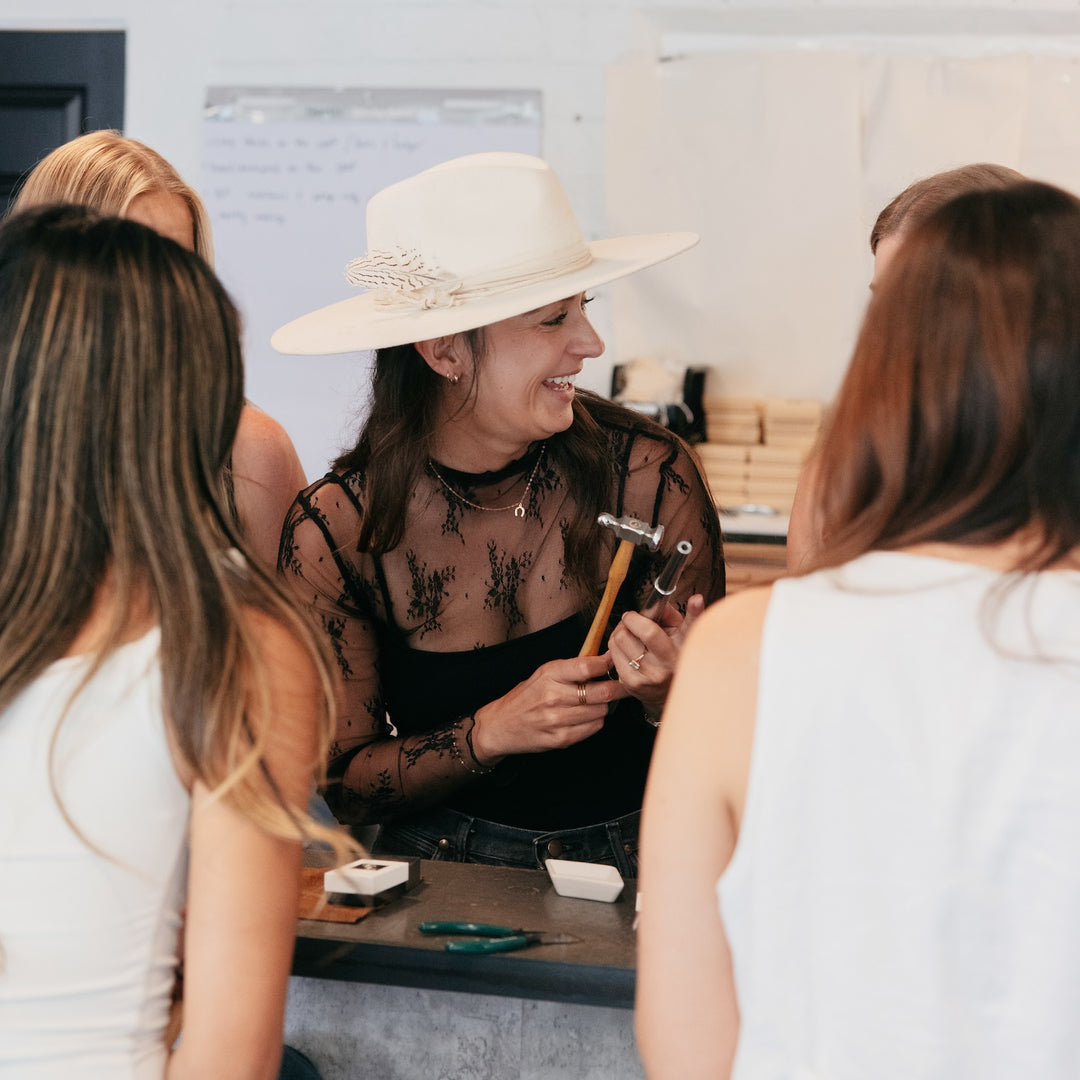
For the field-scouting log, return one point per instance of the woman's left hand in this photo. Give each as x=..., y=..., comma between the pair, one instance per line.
x=644, y=653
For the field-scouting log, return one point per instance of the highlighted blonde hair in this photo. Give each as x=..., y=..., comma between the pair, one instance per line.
x=121, y=385
x=107, y=171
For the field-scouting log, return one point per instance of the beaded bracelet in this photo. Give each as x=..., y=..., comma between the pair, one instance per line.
x=480, y=770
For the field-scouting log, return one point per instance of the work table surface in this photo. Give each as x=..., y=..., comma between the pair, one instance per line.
x=386, y=947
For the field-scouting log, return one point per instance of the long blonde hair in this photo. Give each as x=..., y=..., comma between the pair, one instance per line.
x=106, y=170
x=121, y=385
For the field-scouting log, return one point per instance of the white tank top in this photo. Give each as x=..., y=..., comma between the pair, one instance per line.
x=904, y=898
x=88, y=942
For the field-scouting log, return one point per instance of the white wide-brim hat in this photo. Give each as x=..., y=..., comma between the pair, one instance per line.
x=467, y=243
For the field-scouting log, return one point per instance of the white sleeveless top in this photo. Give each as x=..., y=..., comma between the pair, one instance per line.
x=904, y=898
x=88, y=943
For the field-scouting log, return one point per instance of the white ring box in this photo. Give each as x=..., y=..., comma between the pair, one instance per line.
x=585, y=881
x=371, y=882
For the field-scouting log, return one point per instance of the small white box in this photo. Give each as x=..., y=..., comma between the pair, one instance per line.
x=585, y=881
x=366, y=877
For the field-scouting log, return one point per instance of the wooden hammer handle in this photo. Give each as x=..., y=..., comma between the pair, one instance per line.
x=616, y=576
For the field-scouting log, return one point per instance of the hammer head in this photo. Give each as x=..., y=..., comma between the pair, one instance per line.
x=633, y=529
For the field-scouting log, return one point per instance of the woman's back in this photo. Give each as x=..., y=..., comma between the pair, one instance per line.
x=89, y=942
x=902, y=898
x=178, y=776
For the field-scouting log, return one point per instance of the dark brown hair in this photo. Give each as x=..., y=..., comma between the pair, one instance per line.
x=920, y=199
x=959, y=417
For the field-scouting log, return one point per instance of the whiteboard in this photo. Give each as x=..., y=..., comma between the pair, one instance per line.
x=286, y=175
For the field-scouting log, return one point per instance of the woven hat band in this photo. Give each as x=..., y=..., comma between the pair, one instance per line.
x=403, y=279
x=467, y=243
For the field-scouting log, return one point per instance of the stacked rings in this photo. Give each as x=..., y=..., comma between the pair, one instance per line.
x=582, y=699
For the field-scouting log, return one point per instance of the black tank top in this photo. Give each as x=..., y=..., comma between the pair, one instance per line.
x=598, y=779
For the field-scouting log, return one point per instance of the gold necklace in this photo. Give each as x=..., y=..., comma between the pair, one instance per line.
x=518, y=507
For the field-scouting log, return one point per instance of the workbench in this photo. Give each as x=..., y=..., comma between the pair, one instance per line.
x=378, y=998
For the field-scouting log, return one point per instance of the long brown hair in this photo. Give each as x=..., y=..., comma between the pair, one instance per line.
x=107, y=171
x=121, y=384
x=396, y=441
x=959, y=417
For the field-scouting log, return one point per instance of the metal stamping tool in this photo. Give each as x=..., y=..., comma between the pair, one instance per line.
x=667, y=580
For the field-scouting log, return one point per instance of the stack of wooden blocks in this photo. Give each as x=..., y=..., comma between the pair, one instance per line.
x=755, y=449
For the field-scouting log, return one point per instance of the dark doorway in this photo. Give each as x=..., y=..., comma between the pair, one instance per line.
x=54, y=86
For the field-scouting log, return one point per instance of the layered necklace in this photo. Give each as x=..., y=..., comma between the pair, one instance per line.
x=518, y=507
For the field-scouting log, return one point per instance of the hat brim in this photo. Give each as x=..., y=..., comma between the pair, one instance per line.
x=360, y=323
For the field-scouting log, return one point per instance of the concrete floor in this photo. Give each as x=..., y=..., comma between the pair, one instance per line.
x=357, y=1031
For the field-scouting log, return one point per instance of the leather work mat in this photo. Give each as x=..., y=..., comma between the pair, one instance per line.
x=314, y=903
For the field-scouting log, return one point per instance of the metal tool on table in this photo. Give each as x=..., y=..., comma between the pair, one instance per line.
x=667, y=580
x=631, y=533
x=485, y=938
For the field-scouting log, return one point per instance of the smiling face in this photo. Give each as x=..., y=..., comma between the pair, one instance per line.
x=524, y=384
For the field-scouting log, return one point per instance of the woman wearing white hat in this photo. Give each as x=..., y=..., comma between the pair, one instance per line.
x=454, y=554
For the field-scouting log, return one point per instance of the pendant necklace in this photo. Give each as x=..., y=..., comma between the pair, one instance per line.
x=518, y=507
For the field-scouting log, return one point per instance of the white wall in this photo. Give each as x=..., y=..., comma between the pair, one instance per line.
x=175, y=50
x=564, y=48
x=782, y=155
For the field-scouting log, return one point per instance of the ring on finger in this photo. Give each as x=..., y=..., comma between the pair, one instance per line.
x=582, y=699
x=636, y=662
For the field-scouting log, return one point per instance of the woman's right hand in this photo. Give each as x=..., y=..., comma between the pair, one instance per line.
x=561, y=703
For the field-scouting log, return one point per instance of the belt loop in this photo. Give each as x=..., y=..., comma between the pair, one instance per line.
x=614, y=832
x=463, y=832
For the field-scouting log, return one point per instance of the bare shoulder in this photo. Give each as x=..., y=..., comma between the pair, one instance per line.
x=735, y=622
x=719, y=661
x=267, y=475
x=712, y=707
x=259, y=424
x=263, y=445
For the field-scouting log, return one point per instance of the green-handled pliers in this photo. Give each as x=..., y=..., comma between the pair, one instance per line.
x=489, y=939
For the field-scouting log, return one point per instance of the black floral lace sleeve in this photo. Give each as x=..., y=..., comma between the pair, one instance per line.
x=661, y=483
x=385, y=772
x=468, y=604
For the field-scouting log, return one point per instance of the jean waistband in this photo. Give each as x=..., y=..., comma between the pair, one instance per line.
x=474, y=839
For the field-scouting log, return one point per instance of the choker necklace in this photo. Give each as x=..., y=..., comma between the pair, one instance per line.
x=518, y=507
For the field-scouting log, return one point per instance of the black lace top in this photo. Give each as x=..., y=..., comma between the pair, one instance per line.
x=469, y=604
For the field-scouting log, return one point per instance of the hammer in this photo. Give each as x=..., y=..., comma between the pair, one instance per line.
x=631, y=532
